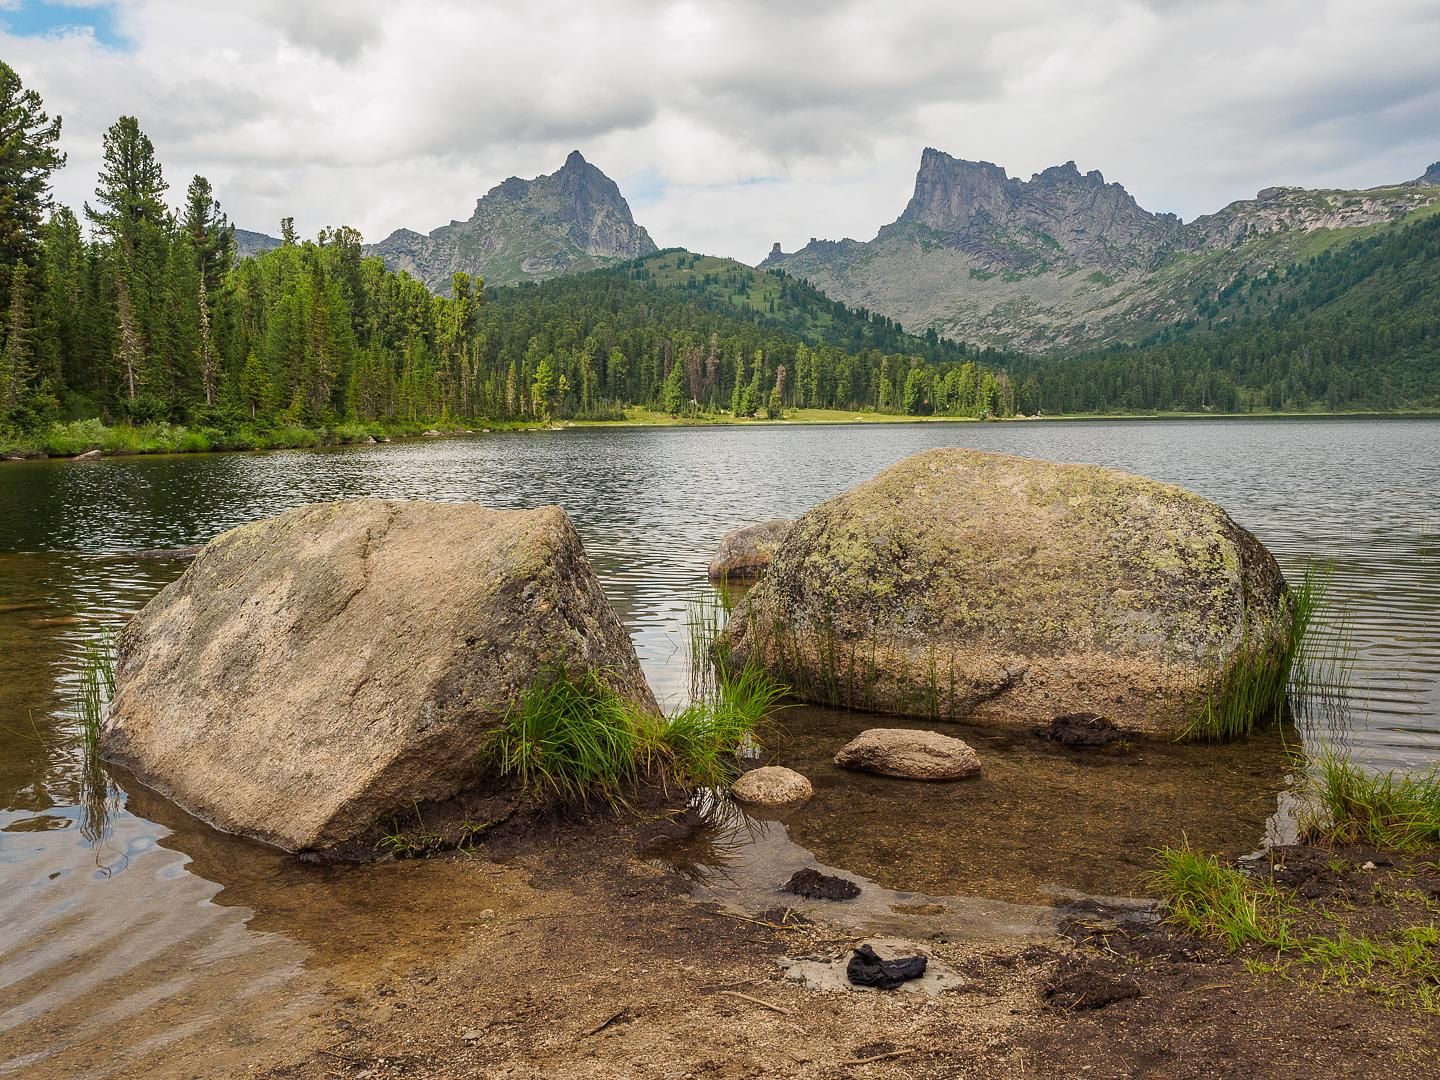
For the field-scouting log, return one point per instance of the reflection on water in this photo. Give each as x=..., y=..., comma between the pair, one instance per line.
x=85, y=918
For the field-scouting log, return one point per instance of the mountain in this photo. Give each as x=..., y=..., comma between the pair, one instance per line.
x=249, y=243
x=526, y=230
x=1065, y=261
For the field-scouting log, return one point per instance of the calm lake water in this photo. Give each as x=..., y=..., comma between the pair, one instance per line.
x=116, y=906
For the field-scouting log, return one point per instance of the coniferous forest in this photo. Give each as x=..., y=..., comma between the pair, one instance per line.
x=133, y=323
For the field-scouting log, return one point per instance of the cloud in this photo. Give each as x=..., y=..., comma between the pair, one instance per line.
x=401, y=113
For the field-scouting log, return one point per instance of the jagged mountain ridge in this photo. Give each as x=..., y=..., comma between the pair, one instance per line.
x=526, y=230
x=1066, y=261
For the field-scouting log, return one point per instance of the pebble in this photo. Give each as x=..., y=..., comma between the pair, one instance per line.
x=1367, y=866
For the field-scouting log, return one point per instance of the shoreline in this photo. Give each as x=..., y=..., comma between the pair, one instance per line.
x=123, y=440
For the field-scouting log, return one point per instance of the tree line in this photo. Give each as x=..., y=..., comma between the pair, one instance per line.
x=143, y=314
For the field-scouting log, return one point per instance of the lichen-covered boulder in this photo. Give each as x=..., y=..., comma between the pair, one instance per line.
x=311, y=674
x=772, y=785
x=961, y=584
x=745, y=553
x=909, y=755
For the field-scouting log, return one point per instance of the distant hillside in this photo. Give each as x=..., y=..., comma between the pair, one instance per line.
x=526, y=230
x=1356, y=326
x=249, y=243
x=777, y=300
x=1065, y=261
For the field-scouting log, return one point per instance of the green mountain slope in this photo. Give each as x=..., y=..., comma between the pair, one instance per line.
x=1356, y=326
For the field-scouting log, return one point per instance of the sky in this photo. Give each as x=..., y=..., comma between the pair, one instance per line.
x=730, y=124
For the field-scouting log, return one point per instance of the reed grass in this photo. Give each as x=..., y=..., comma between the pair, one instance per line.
x=577, y=739
x=571, y=738
x=1344, y=803
x=1251, y=686
x=92, y=699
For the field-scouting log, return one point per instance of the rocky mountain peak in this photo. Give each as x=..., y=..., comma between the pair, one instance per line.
x=1012, y=222
x=1431, y=177
x=567, y=221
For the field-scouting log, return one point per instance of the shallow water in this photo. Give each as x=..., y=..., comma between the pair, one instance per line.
x=105, y=886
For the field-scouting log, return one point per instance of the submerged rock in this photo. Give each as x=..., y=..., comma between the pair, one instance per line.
x=1082, y=730
x=772, y=785
x=311, y=674
x=909, y=755
x=813, y=885
x=745, y=553
x=961, y=584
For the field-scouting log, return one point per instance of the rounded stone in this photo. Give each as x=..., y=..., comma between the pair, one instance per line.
x=909, y=755
x=772, y=785
x=745, y=553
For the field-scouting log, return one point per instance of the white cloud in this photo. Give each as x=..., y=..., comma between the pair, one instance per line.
x=740, y=122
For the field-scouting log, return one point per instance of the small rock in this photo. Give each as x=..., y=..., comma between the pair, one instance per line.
x=432, y=433
x=370, y=440
x=745, y=553
x=909, y=754
x=1367, y=866
x=473, y=1035
x=89, y=455
x=488, y=913
x=813, y=885
x=772, y=785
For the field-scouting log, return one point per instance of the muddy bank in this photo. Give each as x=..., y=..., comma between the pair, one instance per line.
x=598, y=967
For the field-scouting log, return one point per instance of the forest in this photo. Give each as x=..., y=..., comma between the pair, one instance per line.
x=134, y=324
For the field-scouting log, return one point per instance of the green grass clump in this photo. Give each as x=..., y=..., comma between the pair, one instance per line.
x=578, y=739
x=1400, y=965
x=703, y=737
x=1212, y=900
x=1346, y=804
x=573, y=739
x=1251, y=687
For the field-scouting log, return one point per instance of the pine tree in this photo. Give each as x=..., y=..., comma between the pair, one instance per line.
x=672, y=398
x=131, y=186
x=15, y=364
x=28, y=156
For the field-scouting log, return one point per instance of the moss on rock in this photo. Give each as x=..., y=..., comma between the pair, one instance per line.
x=959, y=583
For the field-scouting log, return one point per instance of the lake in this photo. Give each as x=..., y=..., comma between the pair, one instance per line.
x=117, y=905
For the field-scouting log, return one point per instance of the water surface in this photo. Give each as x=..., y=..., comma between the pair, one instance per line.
x=105, y=890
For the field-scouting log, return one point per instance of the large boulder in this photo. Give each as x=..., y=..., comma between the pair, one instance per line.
x=745, y=553
x=961, y=584
x=314, y=673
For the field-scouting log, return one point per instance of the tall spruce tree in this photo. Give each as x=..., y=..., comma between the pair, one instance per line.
x=28, y=155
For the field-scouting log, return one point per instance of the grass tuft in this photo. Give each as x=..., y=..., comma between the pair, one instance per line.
x=1346, y=804
x=577, y=739
x=1250, y=688
x=1212, y=900
x=572, y=739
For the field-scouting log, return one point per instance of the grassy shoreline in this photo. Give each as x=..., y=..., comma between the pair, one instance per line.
x=68, y=440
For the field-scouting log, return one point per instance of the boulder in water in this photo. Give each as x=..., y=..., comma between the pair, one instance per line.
x=314, y=673
x=745, y=553
x=961, y=584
